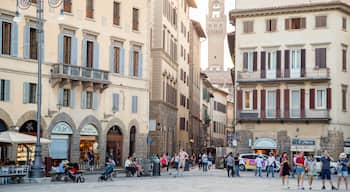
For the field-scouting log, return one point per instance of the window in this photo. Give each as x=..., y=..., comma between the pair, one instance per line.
x=90, y=9
x=182, y=123
x=135, y=64
x=89, y=54
x=33, y=1
x=29, y=93
x=295, y=23
x=6, y=38
x=321, y=99
x=271, y=104
x=33, y=44
x=321, y=58
x=220, y=107
x=248, y=98
x=135, y=19
x=321, y=21
x=344, y=92
x=344, y=66
x=248, y=27
x=134, y=104
x=116, y=13
x=116, y=60
x=89, y=100
x=67, y=49
x=4, y=90
x=271, y=25
x=344, y=25
x=115, y=101
x=66, y=97
x=248, y=61
x=295, y=104
x=67, y=6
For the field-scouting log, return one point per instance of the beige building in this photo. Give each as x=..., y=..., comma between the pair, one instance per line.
x=217, y=131
x=95, y=78
x=169, y=105
x=291, y=62
x=196, y=35
x=205, y=110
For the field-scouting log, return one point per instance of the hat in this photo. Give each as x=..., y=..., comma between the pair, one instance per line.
x=342, y=155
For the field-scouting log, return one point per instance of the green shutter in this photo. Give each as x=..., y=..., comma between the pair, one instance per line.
x=83, y=100
x=72, y=98
x=25, y=92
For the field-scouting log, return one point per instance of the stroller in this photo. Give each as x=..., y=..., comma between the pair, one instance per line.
x=107, y=174
x=73, y=174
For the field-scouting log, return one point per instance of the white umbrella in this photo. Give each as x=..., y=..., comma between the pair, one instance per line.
x=19, y=138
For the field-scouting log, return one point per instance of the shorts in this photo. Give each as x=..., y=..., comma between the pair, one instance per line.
x=210, y=163
x=326, y=174
x=343, y=173
x=299, y=170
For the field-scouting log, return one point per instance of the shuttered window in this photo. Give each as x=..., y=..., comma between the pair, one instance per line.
x=33, y=44
x=6, y=38
x=135, y=63
x=248, y=27
x=116, y=13
x=344, y=93
x=89, y=8
x=321, y=100
x=271, y=25
x=247, y=100
x=115, y=100
x=182, y=123
x=263, y=103
x=295, y=23
x=135, y=19
x=4, y=90
x=66, y=97
x=89, y=54
x=344, y=59
x=249, y=61
x=344, y=23
x=89, y=99
x=320, y=21
x=116, y=60
x=134, y=104
x=67, y=6
x=67, y=50
x=29, y=92
x=321, y=57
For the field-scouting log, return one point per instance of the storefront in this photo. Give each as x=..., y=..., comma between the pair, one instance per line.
x=59, y=149
x=89, y=142
x=26, y=152
x=114, y=145
x=308, y=146
x=265, y=146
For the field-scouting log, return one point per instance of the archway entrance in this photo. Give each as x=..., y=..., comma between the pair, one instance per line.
x=3, y=147
x=115, y=145
x=132, y=141
x=27, y=150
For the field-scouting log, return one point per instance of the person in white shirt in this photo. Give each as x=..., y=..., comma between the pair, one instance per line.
x=259, y=163
x=271, y=161
x=129, y=166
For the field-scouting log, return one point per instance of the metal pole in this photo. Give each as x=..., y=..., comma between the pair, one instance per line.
x=37, y=170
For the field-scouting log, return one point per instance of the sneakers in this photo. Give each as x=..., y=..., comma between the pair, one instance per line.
x=334, y=188
x=323, y=188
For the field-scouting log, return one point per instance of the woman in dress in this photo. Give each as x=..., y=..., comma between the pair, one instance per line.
x=310, y=169
x=284, y=173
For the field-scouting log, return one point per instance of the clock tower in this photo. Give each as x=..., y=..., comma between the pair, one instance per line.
x=216, y=32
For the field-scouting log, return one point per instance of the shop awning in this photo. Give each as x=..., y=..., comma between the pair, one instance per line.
x=265, y=143
x=20, y=138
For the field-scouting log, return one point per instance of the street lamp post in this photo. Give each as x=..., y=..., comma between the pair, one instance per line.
x=37, y=170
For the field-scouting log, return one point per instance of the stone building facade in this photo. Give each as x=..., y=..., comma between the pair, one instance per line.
x=95, y=88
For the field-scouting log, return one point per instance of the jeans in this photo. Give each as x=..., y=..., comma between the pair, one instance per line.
x=258, y=171
x=230, y=168
x=237, y=170
x=270, y=169
x=205, y=167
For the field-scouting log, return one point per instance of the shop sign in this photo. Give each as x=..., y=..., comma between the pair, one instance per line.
x=62, y=128
x=303, y=142
x=89, y=130
x=265, y=143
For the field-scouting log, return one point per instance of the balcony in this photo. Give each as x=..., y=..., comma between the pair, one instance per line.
x=76, y=75
x=311, y=74
x=294, y=115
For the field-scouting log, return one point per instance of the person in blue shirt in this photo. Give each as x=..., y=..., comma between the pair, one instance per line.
x=343, y=163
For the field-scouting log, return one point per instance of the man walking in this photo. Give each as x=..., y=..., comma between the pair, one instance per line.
x=326, y=169
x=236, y=159
x=271, y=161
x=259, y=162
x=229, y=165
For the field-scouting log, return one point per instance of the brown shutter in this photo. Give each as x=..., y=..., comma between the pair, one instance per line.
x=278, y=71
x=239, y=100
x=286, y=103
x=262, y=107
x=278, y=103
x=274, y=25
x=303, y=60
x=329, y=98
x=263, y=65
x=255, y=99
x=255, y=61
x=267, y=24
x=324, y=58
x=344, y=59
x=245, y=60
x=312, y=98
x=286, y=63
x=302, y=102
x=287, y=24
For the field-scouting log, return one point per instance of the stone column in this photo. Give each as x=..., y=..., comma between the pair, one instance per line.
x=334, y=143
x=283, y=142
x=243, y=137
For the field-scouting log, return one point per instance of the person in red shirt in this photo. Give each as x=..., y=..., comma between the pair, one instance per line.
x=300, y=170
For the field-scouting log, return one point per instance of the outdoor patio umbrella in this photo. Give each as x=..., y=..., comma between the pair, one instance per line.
x=20, y=138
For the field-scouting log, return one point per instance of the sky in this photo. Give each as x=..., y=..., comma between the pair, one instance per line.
x=199, y=14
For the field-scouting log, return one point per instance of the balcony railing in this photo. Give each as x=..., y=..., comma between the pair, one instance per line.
x=292, y=115
x=285, y=75
x=78, y=73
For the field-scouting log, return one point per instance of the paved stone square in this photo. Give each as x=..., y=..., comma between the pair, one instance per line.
x=194, y=181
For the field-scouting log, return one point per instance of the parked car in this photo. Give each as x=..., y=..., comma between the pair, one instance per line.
x=247, y=162
x=318, y=165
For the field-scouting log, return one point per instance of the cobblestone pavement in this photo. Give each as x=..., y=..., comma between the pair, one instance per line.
x=193, y=181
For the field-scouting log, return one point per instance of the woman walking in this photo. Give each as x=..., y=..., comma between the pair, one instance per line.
x=300, y=170
x=343, y=163
x=311, y=171
x=284, y=173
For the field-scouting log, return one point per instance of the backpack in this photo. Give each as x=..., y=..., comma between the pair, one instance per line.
x=163, y=161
